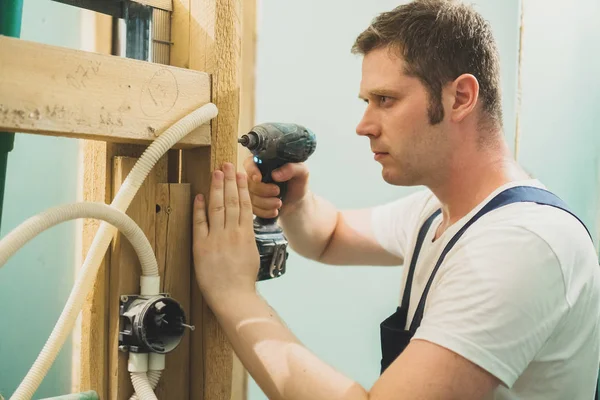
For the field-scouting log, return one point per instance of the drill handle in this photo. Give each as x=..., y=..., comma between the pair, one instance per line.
x=266, y=169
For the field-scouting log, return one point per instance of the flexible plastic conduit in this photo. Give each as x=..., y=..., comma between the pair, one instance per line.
x=100, y=244
x=35, y=225
x=142, y=386
x=153, y=378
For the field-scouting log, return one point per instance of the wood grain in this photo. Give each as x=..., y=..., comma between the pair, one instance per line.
x=239, y=381
x=173, y=243
x=63, y=92
x=94, y=315
x=215, y=47
x=180, y=34
x=125, y=267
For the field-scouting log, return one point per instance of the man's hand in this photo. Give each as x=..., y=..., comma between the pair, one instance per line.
x=226, y=258
x=264, y=195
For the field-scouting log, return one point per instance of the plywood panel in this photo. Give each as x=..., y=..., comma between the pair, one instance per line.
x=63, y=92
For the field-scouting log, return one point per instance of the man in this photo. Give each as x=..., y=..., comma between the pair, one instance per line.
x=501, y=286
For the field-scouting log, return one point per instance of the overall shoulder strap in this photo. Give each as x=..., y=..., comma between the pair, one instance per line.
x=413, y=262
x=508, y=196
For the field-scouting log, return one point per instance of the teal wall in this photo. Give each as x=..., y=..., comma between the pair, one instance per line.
x=560, y=113
x=35, y=283
x=306, y=74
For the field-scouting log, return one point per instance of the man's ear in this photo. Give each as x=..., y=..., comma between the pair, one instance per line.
x=464, y=93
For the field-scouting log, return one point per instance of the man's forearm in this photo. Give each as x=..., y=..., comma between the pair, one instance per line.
x=278, y=362
x=309, y=225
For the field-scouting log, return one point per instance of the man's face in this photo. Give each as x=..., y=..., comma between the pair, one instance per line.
x=403, y=141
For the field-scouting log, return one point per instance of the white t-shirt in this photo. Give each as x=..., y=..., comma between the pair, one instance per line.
x=518, y=295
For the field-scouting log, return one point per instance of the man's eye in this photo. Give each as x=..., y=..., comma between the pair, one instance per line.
x=384, y=99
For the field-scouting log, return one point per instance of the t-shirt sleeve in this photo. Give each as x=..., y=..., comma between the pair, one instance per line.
x=393, y=223
x=496, y=301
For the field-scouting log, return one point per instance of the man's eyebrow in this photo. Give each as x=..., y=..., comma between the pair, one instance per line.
x=384, y=92
x=381, y=92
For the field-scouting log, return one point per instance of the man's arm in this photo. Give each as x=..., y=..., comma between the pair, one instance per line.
x=314, y=227
x=285, y=369
x=318, y=231
x=278, y=362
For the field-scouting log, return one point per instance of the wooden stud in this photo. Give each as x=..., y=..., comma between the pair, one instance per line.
x=94, y=321
x=173, y=243
x=96, y=171
x=63, y=92
x=215, y=48
x=239, y=384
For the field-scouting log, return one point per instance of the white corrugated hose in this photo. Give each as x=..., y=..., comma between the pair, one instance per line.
x=88, y=272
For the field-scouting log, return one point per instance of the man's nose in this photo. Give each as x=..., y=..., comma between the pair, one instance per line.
x=368, y=125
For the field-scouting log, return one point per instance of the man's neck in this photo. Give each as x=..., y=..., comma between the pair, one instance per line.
x=471, y=178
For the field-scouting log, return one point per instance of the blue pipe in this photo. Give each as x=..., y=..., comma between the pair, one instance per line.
x=10, y=25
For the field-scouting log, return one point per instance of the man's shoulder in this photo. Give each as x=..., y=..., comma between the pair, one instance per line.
x=532, y=241
x=562, y=231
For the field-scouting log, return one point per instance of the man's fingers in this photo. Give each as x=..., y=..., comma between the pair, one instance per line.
x=246, y=216
x=289, y=171
x=252, y=170
x=216, y=207
x=266, y=203
x=232, y=201
x=264, y=189
x=271, y=213
x=200, y=222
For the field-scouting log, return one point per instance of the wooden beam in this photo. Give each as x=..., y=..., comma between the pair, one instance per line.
x=173, y=243
x=239, y=382
x=63, y=92
x=96, y=172
x=214, y=47
x=94, y=322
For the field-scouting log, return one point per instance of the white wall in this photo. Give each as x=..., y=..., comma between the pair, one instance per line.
x=306, y=74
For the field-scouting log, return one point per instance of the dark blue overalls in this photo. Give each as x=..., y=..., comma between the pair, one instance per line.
x=394, y=336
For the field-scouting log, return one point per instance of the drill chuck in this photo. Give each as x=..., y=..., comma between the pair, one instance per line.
x=251, y=141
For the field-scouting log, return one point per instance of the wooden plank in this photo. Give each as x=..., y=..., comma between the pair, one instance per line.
x=96, y=172
x=173, y=243
x=94, y=322
x=63, y=92
x=216, y=49
x=239, y=381
x=125, y=268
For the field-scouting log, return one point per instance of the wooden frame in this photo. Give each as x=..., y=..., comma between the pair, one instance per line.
x=61, y=92
x=108, y=102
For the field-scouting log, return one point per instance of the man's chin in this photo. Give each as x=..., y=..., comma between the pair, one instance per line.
x=397, y=179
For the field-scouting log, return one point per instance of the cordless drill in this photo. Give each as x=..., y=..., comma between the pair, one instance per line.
x=273, y=145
